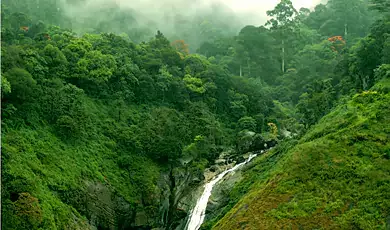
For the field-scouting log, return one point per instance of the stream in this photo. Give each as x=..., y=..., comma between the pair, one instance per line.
x=198, y=212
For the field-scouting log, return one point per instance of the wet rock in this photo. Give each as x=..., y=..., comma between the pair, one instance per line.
x=259, y=143
x=244, y=141
x=183, y=192
x=106, y=209
x=220, y=161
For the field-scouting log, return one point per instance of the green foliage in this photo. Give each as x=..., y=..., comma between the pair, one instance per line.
x=53, y=56
x=67, y=127
x=237, y=104
x=88, y=109
x=284, y=13
x=349, y=19
x=28, y=210
x=200, y=147
x=22, y=83
x=78, y=95
x=313, y=184
x=317, y=103
x=164, y=80
x=5, y=86
x=194, y=84
x=164, y=134
x=247, y=123
x=382, y=72
x=195, y=64
x=315, y=181
x=381, y=5
x=77, y=48
x=96, y=67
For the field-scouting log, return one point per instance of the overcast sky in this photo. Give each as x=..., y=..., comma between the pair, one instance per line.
x=248, y=12
x=256, y=9
x=251, y=5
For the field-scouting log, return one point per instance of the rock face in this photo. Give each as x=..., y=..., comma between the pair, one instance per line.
x=183, y=192
x=220, y=195
x=106, y=210
x=245, y=140
x=168, y=208
x=252, y=142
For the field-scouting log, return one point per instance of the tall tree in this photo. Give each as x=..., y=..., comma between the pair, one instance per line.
x=351, y=18
x=283, y=23
x=255, y=49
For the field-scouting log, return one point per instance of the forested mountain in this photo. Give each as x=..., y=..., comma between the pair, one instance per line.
x=109, y=121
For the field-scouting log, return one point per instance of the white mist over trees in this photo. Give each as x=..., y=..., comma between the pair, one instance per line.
x=192, y=21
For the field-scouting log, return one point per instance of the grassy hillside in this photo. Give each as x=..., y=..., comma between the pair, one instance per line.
x=336, y=177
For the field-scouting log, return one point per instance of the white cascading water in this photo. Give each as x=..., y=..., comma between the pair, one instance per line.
x=198, y=213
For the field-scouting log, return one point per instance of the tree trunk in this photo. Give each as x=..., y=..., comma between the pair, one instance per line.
x=240, y=70
x=283, y=56
x=365, y=83
x=249, y=68
x=345, y=31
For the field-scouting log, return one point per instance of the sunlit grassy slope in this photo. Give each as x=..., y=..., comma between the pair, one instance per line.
x=336, y=177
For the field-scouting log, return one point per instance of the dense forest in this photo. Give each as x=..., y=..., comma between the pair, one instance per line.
x=103, y=115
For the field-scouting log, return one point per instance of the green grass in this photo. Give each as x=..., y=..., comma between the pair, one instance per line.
x=336, y=177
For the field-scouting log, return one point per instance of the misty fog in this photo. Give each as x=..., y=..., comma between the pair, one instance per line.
x=189, y=20
x=164, y=12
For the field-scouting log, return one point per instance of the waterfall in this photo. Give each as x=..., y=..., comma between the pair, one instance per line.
x=198, y=212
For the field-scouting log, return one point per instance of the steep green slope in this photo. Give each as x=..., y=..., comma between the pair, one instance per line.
x=336, y=177
x=56, y=184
